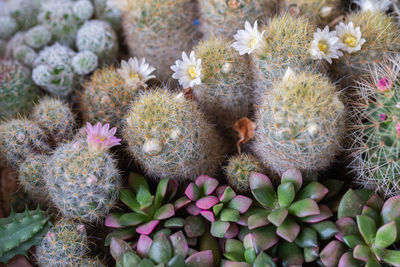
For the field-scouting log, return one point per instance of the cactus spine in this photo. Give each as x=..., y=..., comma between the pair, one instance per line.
x=170, y=137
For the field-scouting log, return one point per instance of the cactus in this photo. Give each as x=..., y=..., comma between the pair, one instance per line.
x=219, y=205
x=300, y=124
x=158, y=27
x=170, y=137
x=17, y=91
x=224, y=18
x=381, y=35
x=225, y=92
x=8, y=26
x=25, y=55
x=38, y=36
x=89, y=262
x=84, y=62
x=25, y=12
x=64, y=245
x=31, y=175
x=368, y=229
x=20, y=231
x=55, y=118
x=166, y=251
x=377, y=127
x=20, y=138
x=98, y=36
x=293, y=212
x=319, y=12
x=82, y=178
x=239, y=169
x=107, y=13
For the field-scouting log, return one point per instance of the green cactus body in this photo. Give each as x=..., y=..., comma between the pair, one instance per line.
x=224, y=18
x=25, y=55
x=31, y=175
x=300, y=125
x=382, y=36
x=170, y=137
x=55, y=118
x=225, y=94
x=239, y=169
x=17, y=90
x=106, y=97
x=38, y=36
x=20, y=231
x=319, y=12
x=82, y=184
x=159, y=30
x=64, y=245
x=288, y=41
x=19, y=139
x=376, y=146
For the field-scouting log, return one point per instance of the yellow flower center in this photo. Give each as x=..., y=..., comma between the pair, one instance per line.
x=252, y=43
x=192, y=72
x=134, y=76
x=350, y=41
x=101, y=138
x=323, y=46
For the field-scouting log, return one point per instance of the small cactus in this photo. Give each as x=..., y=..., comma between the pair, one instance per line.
x=25, y=12
x=20, y=231
x=55, y=118
x=17, y=90
x=84, y=62
x=65, y=244
x=105, y=12
x=31, y=175
x=300, y=123
x=25, y=55
x=170, y=137
x=8, y=26
x=239, y=169
x=38, y=36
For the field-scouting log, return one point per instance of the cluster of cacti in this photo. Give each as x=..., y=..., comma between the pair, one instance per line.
x=17, y=90
x=20, y=231
x=158, y=30
x=169, y=137
x=300, y=123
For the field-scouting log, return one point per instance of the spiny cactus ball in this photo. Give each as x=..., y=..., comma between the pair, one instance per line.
x=81, y=184
x=239, y=169
x=17, y=90
x=31, y=175
x=83, y=9
x=84, y=62
x=98, y=36
x=106, y=97
x=224, y=18
x=38, y=36
x=170, y=137
x=55, y=118
x=20, y=138
x=8, y=26
x=159, y=30
x=225, y=92
x=25, y=12
x=64, y=245
x=25, y=55
x=300, y=124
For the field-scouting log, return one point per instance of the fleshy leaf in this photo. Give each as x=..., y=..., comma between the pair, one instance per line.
x=311, y=254
x=207, y=184
x=206, y=203
x=334, y=187
x=288, y=230
x=346, y=226
x=362, y=253
x=261, y=239
x=314, y=190
x=132, y=219
x=347, y=260
x=162, y=190
x=325, y=229
x=161, y=249
x=194, y=226
x=307, y=238
x=278, y=216
x=192, y=191
x=179, y=244
x=227, y=195
x=233, y=231
x=176, y=261
x=192, y=209
x=303, y=208
x=174, y=223
x=143, y=246
x=229, y=215
x=353, y=240
x=286, y=194
x=118, y=247
x=217, y=208
x=257, y=220
x=113, y=220
x=147, y=228
x=370, y=212
x=219, y=228
x=136, y=180
x=293, y=176
x=129, y=199
x=164, y=212
x=386, y=235
x=375, y=202
x=263, y=260
x=208, y=215
x=233, y=245
x=200, y=259
x=391, y=209
x=259, y=180
x=351, y=205
x=367, y=228
x=331, y=254
x=181, y=202
x=290, y=254
x=324, y=214
x=240, y=203
x=392, y=257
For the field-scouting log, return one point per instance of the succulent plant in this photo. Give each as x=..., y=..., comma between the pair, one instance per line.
x=224, y=18
x=377, y=127
x=148, y=25
x=170, y=137
x=65, y=244
x=293, y=212
x=218, y=204
x=25, y=55
x=8, y=26
x=17, y=90
x=84, y=62
x=169, y=251
x=25, y=12
x=368, y=229
x=104, y=11
x=31, y=175
x=20, y=231
x=38, y=36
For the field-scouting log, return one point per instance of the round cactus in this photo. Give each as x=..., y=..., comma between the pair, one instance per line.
x=25, y=12
x=112, y=15
x=19, y=139
x=17, y=90
x=83, y=10
x=64, y=245
x=83, y=180
x=300, y=123
x=239, y=169
x=31, y=175
x=38, y=36
x=25, y=55
x=376, y=117
x=98, y=37
x=8, y=26
x=159, y=27
x=55, y=118
x=225, y=92
x=224, y=18
x=84, y=62
x=170, y=137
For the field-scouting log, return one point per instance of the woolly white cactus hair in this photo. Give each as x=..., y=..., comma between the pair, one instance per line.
x=374, y=5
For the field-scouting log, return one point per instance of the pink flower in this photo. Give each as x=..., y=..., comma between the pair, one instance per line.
x=100, y=138
x=384, y=84
x=398, y=127
x=382, y=117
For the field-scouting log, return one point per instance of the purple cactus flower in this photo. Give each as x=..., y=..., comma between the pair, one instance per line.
x=384, y=84
x=101, y=138
x=383, y=117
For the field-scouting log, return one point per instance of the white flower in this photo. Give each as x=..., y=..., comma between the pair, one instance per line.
x=289, y=74
x=374, y=5
x=349, y=37
x=249, y=40
x=325, y=45
x=188, y=70
x=136, y=73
